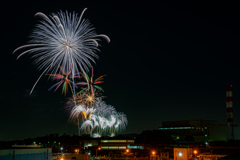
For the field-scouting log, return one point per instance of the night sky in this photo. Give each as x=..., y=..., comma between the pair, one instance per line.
x=164, y=62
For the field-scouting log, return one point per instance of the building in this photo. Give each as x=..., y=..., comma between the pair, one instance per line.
x=26, y=154
x=210, y=156
x=183, y=153
x=201, y=130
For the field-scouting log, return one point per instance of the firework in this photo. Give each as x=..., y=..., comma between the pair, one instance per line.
x=64, y=79
x=92, y=83
x=99, y=119
x=62, y=39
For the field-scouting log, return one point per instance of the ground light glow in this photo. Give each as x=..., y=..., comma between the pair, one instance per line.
x=180, y=154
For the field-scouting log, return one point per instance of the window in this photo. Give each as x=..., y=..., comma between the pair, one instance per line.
x=106, y=141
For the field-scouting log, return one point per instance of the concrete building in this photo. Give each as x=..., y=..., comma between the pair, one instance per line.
x=210, y=156
x=26, y=154
x=110, y=143
x=183, y=153
x=201, y=130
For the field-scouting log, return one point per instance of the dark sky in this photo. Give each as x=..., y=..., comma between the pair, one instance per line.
x=166, y=61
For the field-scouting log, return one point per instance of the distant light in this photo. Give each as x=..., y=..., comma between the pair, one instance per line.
x=177, y=137
x=205, y=135
x=127, y=150
x=61, y=148
x=89, y=153
x=195, y=152
x=153, y=152
x=180, y=154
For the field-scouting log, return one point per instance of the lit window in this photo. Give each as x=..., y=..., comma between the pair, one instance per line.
x=106, y=141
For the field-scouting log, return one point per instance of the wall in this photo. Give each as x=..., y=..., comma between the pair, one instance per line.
x=26, y=154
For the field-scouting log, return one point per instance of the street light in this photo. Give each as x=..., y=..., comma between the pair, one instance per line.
x=153, y=153
x=127, y=150
x=97, y=150
x=195, y=152
x=180, y=154
x=77, y=150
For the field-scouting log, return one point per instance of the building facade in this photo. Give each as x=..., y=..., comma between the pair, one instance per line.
x=201, y=130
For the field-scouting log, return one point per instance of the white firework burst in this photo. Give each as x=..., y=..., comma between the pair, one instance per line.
x=123, y=121
x=101, y=119
x=62, y=39
x=78, y=112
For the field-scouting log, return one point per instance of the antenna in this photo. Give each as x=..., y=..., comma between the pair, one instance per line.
x=229, y=105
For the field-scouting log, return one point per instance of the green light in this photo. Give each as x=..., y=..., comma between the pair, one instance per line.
x=59, y=143
x=48, y=142
x=104, y=147
x=39, y=143
x=177, y=137
x=106, y=141
x=54, y=141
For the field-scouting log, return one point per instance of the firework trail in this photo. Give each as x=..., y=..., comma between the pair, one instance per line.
x=64, y=79
x=62, y=39
x=92, y=83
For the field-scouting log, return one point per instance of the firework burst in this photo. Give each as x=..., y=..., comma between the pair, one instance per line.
x=62, y=39
x=100, y=119
x=92, y=83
